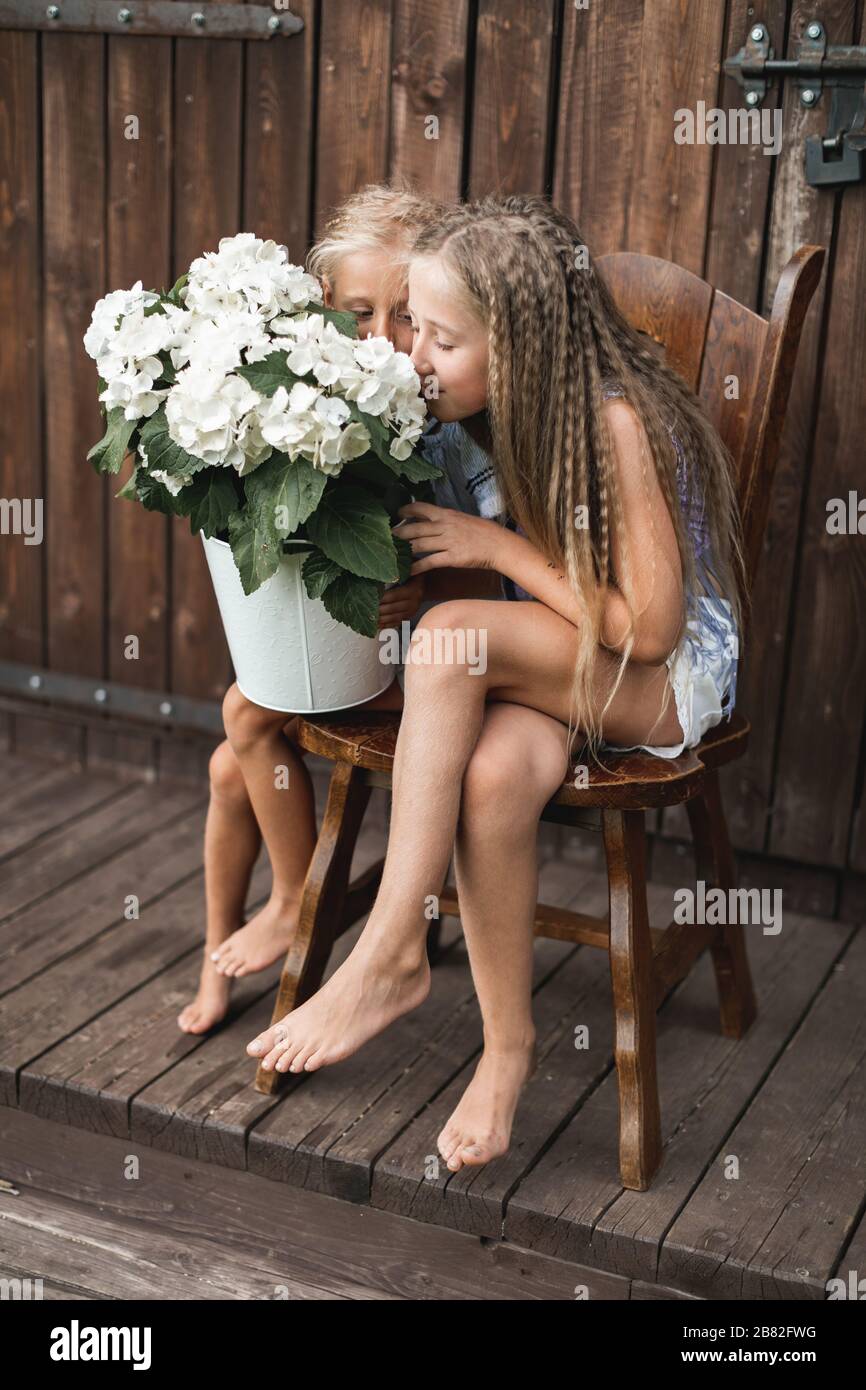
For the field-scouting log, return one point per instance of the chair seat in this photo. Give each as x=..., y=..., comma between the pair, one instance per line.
x=629, y=781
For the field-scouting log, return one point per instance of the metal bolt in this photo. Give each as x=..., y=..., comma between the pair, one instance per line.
x=274, y=23
x=125, y=16
x=166, y=707
x=814, y=31
x=808, y=96
x=197, y=19
x=752, y=98
x=100, y=696
x=757, y=33
x=35, y=682
x=53, y=12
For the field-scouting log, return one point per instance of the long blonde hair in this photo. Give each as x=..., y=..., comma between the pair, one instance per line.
x=380, y=216
x=555, y=337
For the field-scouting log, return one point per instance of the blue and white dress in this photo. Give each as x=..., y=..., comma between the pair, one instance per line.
x=703, y=667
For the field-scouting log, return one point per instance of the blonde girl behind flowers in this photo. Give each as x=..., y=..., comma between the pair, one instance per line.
x=361, y=261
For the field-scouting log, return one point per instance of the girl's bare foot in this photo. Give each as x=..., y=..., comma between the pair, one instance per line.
x=210, y=1004
x=480, y=1127
x=368, y=991
x=265, y=938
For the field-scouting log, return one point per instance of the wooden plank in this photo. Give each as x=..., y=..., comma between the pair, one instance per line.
x=317, y=1237
x=21, y=565
x=165, y=852
x=778, y=1228
x=573, y=1202
x=279, y=133
x=406, y=1179
x=599, y=109
x=800, y=215
x=207, y=206
x=354, y=100
x=57, y=797
x=817, y=781
x=73, y=149
x=77, y=989
x=205, y=1105
x=116, y=1258
x=511, y=98
x=65, y=855
x=743, y=173
x=428, y=68
x=138, y=156
x=89, y=1079
x=19, y=773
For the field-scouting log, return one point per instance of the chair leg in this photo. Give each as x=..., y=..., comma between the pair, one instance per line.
x=322, y=903
x=715, y=864
x=631, y=969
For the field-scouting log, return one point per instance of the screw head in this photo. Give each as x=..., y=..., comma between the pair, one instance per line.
x=814, y=30
x=274, y=23
x=53, y=12
x=197, y=19
x=125, y=16
x=166, y=707
x=752, y=98
x=35, y=682
x=808, y=96
x=757, y=33
x=100, y=696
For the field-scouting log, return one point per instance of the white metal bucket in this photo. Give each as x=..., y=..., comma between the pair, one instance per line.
x=288, y=652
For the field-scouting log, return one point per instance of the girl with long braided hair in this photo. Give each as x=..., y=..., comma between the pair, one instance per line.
x=589, y=478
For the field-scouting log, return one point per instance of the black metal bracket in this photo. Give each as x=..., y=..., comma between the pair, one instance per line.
x=110, y=697
x=166, y=18
x=836, y=157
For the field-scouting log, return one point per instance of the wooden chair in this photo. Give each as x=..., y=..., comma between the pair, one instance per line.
x=707, y=337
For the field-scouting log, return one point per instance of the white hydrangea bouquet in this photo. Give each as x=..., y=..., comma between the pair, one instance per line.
x=259, y=414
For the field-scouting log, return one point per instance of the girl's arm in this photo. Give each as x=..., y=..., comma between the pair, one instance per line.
x=652, y=547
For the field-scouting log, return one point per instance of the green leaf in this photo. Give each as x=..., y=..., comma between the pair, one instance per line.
x=168, y=375
x=279, y=483
x=129, y=489
x=155, y=496
x=405, y=558
x=163, y=453
x=268, y=375
x=354, y=530
x=214, y=502
x=354, y=602
x=107, y=456
x=347, y=324
x=418, y=469
x=318, y=572
x=257, y=554
x=415, y=467
x=174, y=292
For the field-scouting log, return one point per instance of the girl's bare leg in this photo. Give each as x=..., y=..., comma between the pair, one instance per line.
x=530, y=654
x=518, y=764
x=232, y=841
x=280, y=791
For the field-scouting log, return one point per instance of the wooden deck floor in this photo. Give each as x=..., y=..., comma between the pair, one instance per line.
x=88, y=1040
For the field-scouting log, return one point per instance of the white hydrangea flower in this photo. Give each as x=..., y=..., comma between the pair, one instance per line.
x=248, y=271
x=103, y=327
x=133, y=390
x=173, y=484
x=205, y=409
x=219, y=342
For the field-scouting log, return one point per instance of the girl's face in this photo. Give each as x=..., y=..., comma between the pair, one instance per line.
x=366, y=287
x=451, y=345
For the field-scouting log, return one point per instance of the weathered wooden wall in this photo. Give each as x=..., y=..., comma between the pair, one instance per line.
x=530, y=95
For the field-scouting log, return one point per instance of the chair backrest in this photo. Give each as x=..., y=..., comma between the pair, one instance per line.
x=708, y=337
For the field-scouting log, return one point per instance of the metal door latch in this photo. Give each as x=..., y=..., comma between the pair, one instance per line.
x=836, y=157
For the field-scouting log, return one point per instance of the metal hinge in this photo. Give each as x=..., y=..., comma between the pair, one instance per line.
x=836, y=157
x=166, y=18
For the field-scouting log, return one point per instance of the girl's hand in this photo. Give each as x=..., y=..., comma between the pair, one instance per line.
x=400, y=603
x=449, y=539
